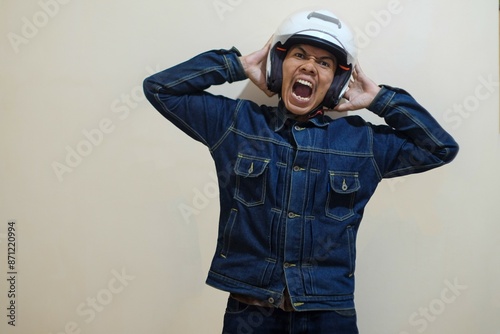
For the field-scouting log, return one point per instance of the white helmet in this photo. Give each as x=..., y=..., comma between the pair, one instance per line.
x=321, y=29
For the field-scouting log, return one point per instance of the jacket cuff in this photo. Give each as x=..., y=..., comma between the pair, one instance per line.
x=384, y=97
x=233, y=63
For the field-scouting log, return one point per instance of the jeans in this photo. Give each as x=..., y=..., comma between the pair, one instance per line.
x=241, y=318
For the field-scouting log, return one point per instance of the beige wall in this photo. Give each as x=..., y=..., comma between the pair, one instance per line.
x=115, y=209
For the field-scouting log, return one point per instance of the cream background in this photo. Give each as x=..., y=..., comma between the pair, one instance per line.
x=118, y=210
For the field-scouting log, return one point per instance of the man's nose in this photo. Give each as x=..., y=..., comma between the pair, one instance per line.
x=309, y=65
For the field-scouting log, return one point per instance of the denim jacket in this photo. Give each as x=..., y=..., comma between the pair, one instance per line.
x=292, y=194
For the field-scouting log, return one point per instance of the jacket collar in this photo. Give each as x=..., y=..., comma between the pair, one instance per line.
x=282, y=115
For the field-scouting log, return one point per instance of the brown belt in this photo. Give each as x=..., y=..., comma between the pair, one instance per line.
x=285, y=305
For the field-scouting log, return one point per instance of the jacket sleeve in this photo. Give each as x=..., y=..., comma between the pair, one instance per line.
x=413, y=141
x=178, y=93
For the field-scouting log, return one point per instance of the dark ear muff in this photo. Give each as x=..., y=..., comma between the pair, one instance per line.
x=340, y=80
x=275, y=79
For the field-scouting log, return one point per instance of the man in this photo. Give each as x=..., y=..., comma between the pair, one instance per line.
x=293, y=182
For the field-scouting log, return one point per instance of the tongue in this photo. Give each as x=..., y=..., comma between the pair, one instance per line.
x=302, y=90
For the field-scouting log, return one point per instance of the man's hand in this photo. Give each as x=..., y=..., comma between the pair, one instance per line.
x=254, y=65
x=362, y=90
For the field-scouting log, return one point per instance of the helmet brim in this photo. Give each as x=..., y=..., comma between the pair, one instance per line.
x=334, y=49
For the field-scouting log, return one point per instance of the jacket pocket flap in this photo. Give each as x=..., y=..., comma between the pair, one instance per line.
x=248, y=166
x=344, y=182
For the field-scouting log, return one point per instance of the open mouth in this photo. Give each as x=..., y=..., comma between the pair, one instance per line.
x=302, y=90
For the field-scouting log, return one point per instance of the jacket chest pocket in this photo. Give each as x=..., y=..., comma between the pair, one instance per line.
x=251, y=178
x=342, y=194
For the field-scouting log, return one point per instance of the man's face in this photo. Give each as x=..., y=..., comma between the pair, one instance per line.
x=307, y=75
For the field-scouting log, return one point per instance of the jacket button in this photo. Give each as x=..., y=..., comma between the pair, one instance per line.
x=271, y=300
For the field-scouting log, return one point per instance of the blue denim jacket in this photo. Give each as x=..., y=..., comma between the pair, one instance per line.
x=292, y=194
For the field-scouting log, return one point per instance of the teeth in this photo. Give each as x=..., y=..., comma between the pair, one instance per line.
x=305, y=83
x=305, y=99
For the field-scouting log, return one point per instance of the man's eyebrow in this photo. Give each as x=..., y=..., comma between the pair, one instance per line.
x=332, y=57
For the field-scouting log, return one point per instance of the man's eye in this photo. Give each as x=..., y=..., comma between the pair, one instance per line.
x=323, y=63
x=300, y=55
